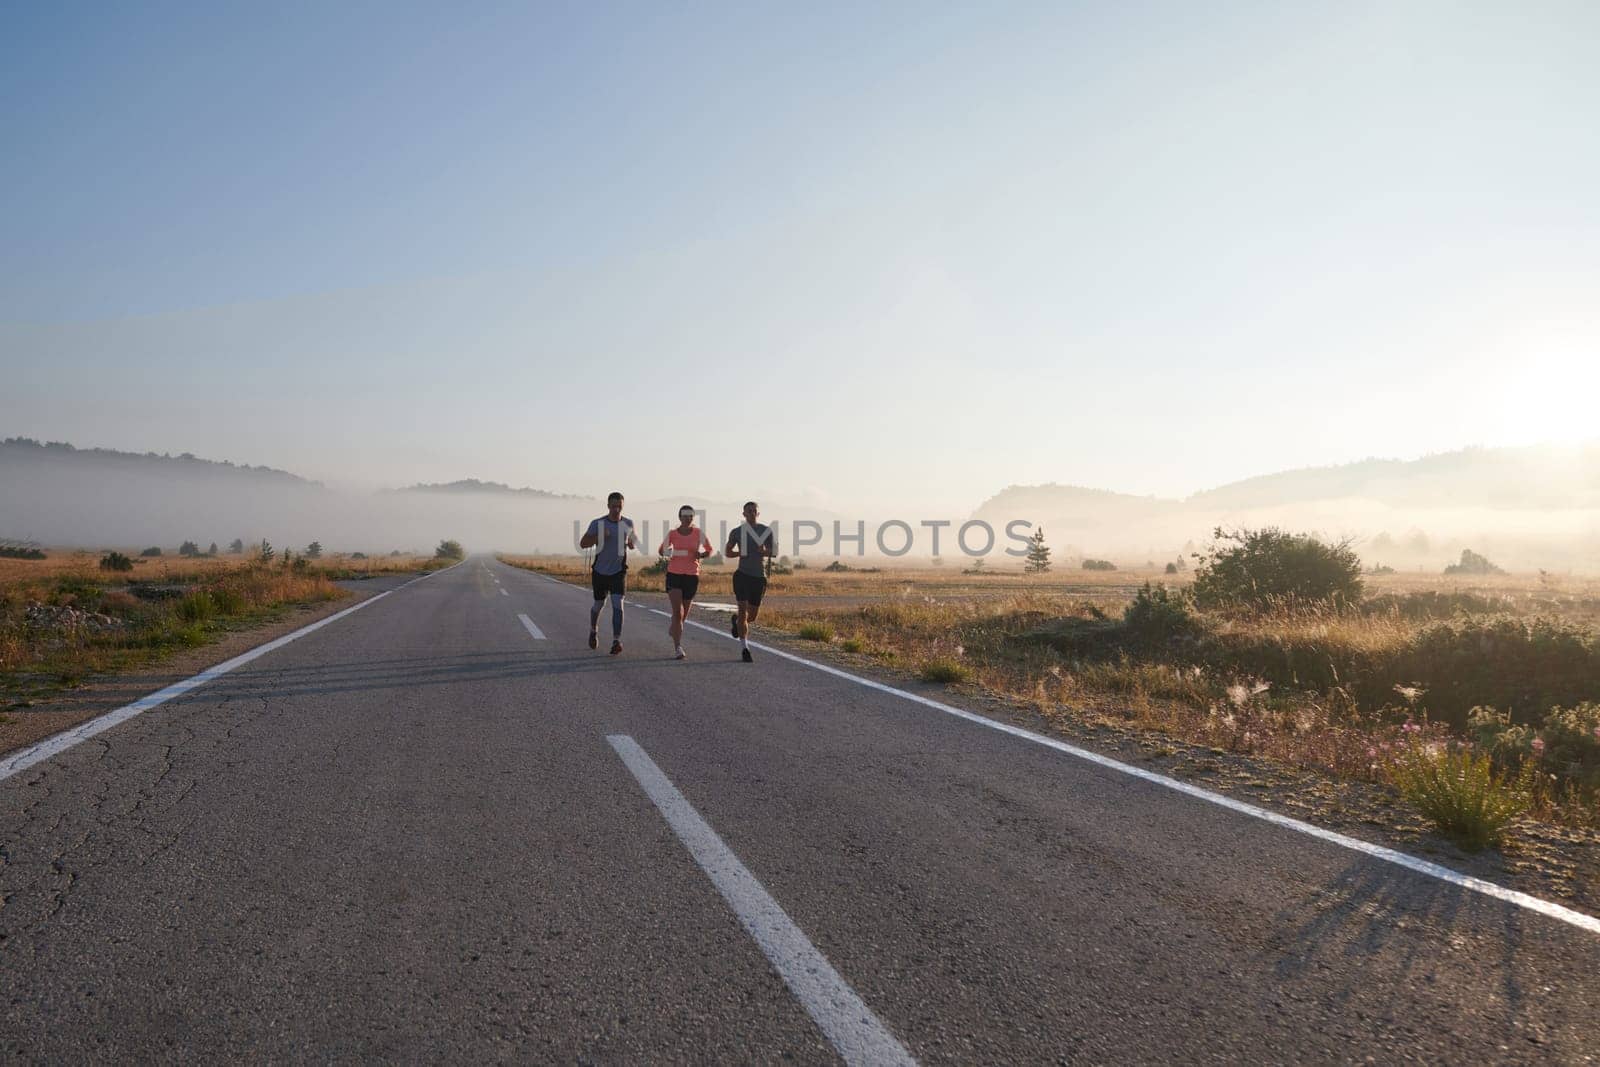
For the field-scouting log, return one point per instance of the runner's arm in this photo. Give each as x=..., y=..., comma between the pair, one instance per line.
x=590, y=536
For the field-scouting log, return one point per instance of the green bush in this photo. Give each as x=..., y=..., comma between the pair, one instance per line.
x=658, y=567
x=1566, y=746
x=1099, y=565
x=1158, y=616
x=1572, y=743
x=115, y=561
x=1460, y=793
x=816, y=631
x=1432, y=604
x=228, y=601
x=151, y=552
x=197, y=607
x=1269, y=567
x=944, y=670
x=1521, y=667
x=449, y=550
x=853, y=644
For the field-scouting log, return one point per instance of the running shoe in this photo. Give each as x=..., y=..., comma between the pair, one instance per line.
x=747, y=657
x=679, y=653
x=594, y=639
x=616, y=646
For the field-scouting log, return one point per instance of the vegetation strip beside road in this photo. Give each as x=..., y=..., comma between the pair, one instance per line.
x=79, y=637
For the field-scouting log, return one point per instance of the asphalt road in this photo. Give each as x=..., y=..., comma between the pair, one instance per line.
x=423, y=833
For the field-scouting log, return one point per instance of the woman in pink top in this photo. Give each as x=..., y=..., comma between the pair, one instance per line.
x=684, y=548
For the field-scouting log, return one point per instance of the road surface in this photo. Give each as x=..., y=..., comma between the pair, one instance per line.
x=440, y=828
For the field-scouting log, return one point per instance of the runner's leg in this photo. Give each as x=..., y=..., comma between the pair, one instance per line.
x=675, y=627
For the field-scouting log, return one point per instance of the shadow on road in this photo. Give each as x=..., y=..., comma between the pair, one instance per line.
x=1400, y=929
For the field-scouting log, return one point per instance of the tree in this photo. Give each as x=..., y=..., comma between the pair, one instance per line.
x=151, y=552
x=237, y=548
x=1472, y=563
x=1267, y=567
x=188, y=548
x=115, y=561
x=314, y=550
x=212, y=551
x=449, y=550
x=1038, y=554
x=266, y=553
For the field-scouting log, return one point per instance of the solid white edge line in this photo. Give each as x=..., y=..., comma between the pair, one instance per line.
x=1547, y=908
x=537, y=634
x=858, y=1035
x=504, y=593
x=39, y=751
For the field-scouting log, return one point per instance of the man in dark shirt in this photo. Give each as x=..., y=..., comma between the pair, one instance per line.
x=751, y=544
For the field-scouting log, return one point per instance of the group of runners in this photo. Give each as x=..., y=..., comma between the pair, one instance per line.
x=684, y=546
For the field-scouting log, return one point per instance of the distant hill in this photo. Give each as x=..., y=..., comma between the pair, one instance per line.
x=1075, y=507
x=473, y=485
x=1544, y=477
x=1537, y=477
x=21, y=451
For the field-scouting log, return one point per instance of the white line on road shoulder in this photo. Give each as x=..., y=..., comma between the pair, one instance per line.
x=859, y=1036
x=23, y=759
x=504, y=593
x=538, y=634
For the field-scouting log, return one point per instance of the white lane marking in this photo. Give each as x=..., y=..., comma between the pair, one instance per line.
x=538, y=634
x=859, y=1036
x=1547, y=908
x=22, y=759
x=504, y=593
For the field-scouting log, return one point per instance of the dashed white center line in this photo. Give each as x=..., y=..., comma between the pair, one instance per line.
x=504, y=593
x=858, y=1035
x=538, y=634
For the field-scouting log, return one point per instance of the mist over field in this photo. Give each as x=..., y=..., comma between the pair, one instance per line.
x=1526, y=508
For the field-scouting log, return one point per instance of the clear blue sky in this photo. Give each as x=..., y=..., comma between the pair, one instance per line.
x=840, y=252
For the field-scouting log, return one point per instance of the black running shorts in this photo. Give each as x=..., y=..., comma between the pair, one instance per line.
x=607, y=584
x=749, y=588
x=687, y=584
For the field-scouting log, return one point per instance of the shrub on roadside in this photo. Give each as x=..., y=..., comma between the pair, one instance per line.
x=228, y=601
x=115, y=561
x=450, y=550
x=1521, y=667
x=1099, y=565
x=1258, y=569
x=944, y=670
x=1159, y=616
x=152, y=552
x=816, y=631
x=197, y=607
x=1460, y=793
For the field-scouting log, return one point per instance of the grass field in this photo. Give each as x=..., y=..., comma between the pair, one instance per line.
x=1344, y=692
x=64, y=620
